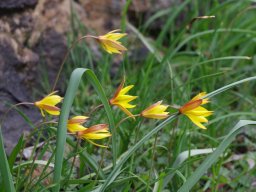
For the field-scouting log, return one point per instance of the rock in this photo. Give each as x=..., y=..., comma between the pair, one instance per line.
x=17, y=66
x=17, y=4
x=22, y=43
x=33, y=36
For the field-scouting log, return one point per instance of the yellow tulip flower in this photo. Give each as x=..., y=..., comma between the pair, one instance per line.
x=122, y=100
x=156, y=111
x=110, y=43
x=74, y=124
x=95, y=132
x=195, y=112
x=48, y=104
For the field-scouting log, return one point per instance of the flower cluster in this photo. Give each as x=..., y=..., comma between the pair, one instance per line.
x=95, y=132
x=110, y=43
x=191, y=109
x=74, y=125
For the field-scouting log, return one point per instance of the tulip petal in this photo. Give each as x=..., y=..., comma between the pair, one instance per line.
x=73, y=128
x=126, y=89
x=196, y=121
x=78, y=120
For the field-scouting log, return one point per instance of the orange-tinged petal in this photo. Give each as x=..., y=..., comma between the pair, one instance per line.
x=156, y=116
x=96, y=128
x=96, y=132
x=156, y=111
x=48, y=104
x=73, y=128
x=78, y=119
x=120, y=87
x=190, y=105
x=199, y=96
x=49, y=109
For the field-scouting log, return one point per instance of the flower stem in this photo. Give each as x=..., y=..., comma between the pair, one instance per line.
x=13, y=106
x=74, y=160
x=135, y=141
x=124, y=119
x=95, y=109
x=66, y=56
x=152, y=161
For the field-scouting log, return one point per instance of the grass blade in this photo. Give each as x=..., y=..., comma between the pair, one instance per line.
x=183, y=157
x=16, y=151
x=126, y=156
x=222, y=89
x=65, y=110
x=193, y=179
x=85, y=156
x=129, y=153
x=170, y=53
x=4, y=167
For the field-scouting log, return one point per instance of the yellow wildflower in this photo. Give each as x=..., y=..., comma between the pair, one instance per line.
x=48, y=104
x=110, y=43
x=156, y=111
x=95, y=132
x=122, y=100
x=74, y=124
x=195, y=112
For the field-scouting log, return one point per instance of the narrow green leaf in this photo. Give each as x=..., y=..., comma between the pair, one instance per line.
x=36, y=162
x=170, y=53
x=170, y=20
x=15, y=152
x=183, y=157
x=222, y=89
x=127, y=154
x=4, y=167
x=112, y=176
x=85, y=157
x=193, y=179
x=65, y=110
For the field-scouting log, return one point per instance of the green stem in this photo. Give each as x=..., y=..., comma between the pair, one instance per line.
x=73, y=162
x=66, y=56
x=95, y=109
x=135, y=141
